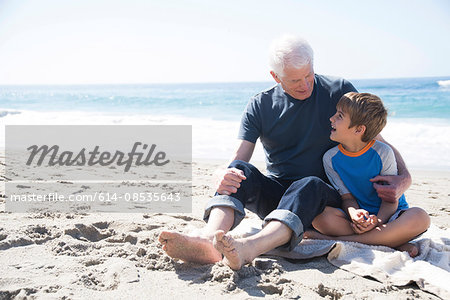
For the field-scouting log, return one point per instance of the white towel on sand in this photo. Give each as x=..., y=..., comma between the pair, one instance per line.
x=430, y=270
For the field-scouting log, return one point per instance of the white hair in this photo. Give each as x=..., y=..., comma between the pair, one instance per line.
x=289, y=51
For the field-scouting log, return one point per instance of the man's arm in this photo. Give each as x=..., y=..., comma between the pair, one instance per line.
x=230, y=179
x=244, y=151
x=396, y=185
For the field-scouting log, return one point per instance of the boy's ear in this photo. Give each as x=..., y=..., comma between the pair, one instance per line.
x=360, y=129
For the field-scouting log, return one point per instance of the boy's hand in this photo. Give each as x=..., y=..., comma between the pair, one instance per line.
x=361, y=220
x=358, y=216
x=366, y=226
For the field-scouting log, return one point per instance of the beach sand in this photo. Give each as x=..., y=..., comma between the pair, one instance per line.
x=117, y=256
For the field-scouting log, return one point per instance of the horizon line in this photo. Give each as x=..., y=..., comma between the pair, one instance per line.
x=203, y=82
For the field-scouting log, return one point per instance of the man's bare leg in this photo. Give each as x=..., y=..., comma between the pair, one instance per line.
x=198, y=247
x=395, y=234
x=238, y=252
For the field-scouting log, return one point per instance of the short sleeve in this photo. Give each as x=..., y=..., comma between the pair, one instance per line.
x=332, y=175
x=348, y=87
x=250, y=128
x=387, y=157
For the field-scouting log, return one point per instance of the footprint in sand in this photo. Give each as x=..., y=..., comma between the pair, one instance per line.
x=40, y=234
x=88, y=233
x=324, y=291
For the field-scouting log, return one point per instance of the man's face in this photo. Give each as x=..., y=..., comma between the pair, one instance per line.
x=298, y=83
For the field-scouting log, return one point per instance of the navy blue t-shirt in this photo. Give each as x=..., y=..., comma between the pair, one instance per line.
x=295, y=133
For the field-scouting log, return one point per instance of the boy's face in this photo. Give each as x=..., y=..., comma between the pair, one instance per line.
x=340, y=131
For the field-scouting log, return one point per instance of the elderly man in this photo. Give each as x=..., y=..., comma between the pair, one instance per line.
x=292, y=121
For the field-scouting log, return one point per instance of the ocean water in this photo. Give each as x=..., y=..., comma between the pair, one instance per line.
x=418, y=124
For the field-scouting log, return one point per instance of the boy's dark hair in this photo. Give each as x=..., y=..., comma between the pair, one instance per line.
x=364, y=109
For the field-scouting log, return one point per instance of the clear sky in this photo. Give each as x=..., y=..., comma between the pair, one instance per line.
x=152, y=41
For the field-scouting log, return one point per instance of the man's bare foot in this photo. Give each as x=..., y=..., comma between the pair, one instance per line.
x=412, y=249
x=231, y=249
x=189, y=248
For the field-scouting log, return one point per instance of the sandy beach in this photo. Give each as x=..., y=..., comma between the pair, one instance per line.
x=117, y=256
x=115, y=117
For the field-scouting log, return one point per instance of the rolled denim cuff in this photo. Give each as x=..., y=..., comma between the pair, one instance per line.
x=226, y=201
x=292, y=221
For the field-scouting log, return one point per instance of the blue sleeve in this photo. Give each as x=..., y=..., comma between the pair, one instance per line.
x=250, y=128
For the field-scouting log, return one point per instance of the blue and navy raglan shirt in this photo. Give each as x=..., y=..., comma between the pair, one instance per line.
x=350, y=172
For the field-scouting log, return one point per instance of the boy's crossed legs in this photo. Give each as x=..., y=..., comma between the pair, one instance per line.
x=334, y=224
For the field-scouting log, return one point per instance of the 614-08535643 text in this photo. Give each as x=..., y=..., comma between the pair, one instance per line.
x=140, y=197
x=98, y=196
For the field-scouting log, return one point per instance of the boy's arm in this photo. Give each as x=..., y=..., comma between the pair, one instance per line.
x=351, y=207
x=387, y=209
x=396, y=184
x=361, y=221
x=349, y=203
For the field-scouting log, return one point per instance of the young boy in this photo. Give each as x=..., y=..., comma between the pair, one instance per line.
x=364, y=217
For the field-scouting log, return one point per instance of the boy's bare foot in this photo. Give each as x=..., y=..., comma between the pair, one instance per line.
x=231, y=249
x=312, y=234
x=189, y=248
x=412, y=249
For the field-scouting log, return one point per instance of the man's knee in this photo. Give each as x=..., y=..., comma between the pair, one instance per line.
x=315, y=191
x=310, y=182
x=240, y=164
x=248, y=169
x=250, y=187
x=315, y=185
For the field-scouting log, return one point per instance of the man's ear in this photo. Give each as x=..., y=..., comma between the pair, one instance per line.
x=275, y=76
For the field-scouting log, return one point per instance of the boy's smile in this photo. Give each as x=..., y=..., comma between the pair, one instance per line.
x=340, y=131
x=350, y=138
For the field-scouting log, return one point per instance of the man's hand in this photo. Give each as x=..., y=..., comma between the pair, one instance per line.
x=390, y=188
x=394, y=186
x=229, y=181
